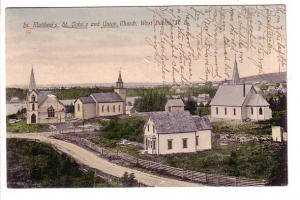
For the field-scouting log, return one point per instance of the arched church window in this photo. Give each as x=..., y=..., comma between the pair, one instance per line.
x=33, y=106
x=251, y=110
x=260, y=111
x=51, y=112
x=33, y=98
x=78, y=107
x=114, y=108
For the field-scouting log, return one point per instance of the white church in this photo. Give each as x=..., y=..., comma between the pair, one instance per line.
x=43, y=107
x=239, y=101
x=106, y=104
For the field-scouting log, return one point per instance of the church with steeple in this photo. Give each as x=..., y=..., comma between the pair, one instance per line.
x=43, y=107
x=106, y=104
x=239, y=101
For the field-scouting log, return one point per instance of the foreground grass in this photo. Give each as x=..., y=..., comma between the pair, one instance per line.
x=259, y=161
x=32, y=164
x=253, y=129
x=23, y=127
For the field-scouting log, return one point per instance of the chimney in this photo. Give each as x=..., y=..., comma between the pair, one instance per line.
x=244, y=89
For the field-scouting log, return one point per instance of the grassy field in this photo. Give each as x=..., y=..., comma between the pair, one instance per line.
x=249, y=160
x=23, y=127
x=254, y=129
x=32, y=164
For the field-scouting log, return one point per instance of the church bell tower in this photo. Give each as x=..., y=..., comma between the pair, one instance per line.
x=32, y=101
x=121, y=91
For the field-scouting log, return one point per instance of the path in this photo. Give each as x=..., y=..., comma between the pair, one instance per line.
x=90, y=159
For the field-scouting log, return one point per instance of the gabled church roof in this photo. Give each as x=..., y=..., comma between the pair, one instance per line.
x=106, y=97
x=86, y=100
x=257, y=100
x=42, y=96
x=32, y=85
x=230, y=95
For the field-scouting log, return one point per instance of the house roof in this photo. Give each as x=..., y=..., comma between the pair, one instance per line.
x=202, y=123
x=173, y=122
x=257, y=100
x=175, y=102
x=230, y=95
x=106, y=97
x=86, y=100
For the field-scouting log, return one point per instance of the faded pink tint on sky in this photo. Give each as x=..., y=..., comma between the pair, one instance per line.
x=95, y=55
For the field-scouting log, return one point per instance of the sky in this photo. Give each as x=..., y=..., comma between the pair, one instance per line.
x=96, y=55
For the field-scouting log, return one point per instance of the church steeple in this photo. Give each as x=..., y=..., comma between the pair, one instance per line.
x=32, y=85
x=235, y=74
x=119, y=83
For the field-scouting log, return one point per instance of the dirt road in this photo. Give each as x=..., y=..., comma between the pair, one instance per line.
x=90, y=159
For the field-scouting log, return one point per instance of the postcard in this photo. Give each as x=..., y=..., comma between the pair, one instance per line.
x=141, y=96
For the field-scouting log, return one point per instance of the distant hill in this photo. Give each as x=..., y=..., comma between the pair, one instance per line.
x=279, y=77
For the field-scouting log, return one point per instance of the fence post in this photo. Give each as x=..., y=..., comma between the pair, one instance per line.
x=218, y=179
x=137, y=161
x=235, y=181
x=205, y=177
x=182, y=173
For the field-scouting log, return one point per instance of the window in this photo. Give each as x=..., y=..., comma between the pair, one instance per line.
x=114, y=108
x=153, y=129
x=153, y=144
x=33, y=98
x=51, y=112
x=170, y=146
x=225, y=111
x=146, y=143
x=107, y=108
x=78, y=107
x=184, y=143
x=234, y=111
x=119, y=108
x=197, y=140
x=260, y=111
x=217, y=110
x=102, y=108
x=148, y=127
x=33, y=107
x=251, y=111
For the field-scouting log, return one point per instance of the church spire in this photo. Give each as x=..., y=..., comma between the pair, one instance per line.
x=32, y=85
x=235, y=74
x=119, y=83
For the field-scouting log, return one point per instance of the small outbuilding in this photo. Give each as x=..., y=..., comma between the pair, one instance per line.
x=174, y=105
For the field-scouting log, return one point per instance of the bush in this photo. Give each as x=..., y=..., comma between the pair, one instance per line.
x=33, y=164
x=130, y=128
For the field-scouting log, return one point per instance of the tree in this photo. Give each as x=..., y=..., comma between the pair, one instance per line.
x=129, y=180
x=191, y=105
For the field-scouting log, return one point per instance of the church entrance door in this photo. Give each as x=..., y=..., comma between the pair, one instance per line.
x=33, y=118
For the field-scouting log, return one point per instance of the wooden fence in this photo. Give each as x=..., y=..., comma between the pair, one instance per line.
x=189, y=175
